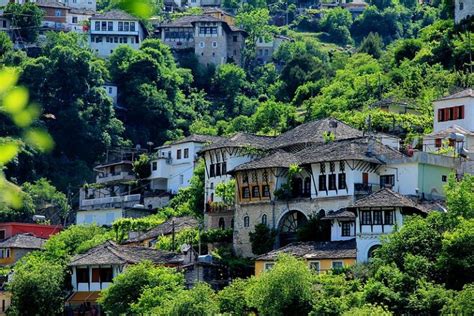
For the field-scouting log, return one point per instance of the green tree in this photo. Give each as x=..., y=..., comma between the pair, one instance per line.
x=232, y=298
x=6, y=44
x=463, y=303
x=27, y=18
x=336, y=23
x=45, y=195
x=37, y=288
x=372, y=45
x=226, y=191
x=367, y=310
x=141, y=167
x=128, y=287
x=262, y=239
x=229, y=81
x=460, y=197
x=284, y=290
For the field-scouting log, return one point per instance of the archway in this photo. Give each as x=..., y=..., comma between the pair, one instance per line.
x=288, y=227
x=371, y=252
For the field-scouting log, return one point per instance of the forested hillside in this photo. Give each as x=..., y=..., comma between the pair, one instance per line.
x=334, y=65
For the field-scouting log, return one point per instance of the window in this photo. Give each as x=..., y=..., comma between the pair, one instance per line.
x=366, y=218
x=341, y=181
x=438, y=142
x=264, y=219
x=201, y=44
x=120, y=26
x=314, y=265
x=337, y=265
x=387, y=181
x=451, y=113
x=74, y=19
x=332, y=182
x=186, y=153
x=132, y=26
x=214, y=44
x=307, y=186
x=255, y=191
x=154, y=165
x=97, y=25
x=234, y=38
x=2, y=234
x=178, y=154
x=322, y=182
x=106, y=274
x=115, y=39
x=246, y=221
x=212, y=171
x=461, y=6
x=346, y=229
x=221, y=223
x=110, y=90
x=58, y=13
x=110, y=26
x=218, y=169
x=388, y=218
x=444, y=178
x=245, y=192
x=268, y=266
x=265, y=191
x=82, y=275
x=377, y=218
x=103, y=26
x=126, y=26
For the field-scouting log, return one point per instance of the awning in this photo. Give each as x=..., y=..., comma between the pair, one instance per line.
x=83, y=297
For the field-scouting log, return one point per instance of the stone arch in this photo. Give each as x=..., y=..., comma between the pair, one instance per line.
x=370, y=252
x=288, y=226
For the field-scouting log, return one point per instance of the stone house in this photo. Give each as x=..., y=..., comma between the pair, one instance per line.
x=14, y=248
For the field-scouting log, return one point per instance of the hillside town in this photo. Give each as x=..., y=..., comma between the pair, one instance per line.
x=211, y=157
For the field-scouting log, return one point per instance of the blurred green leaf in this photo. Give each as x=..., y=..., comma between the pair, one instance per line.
x=8, y=78
x=39, y=139
x=27, y=116
x=15, y=100
x=8, y=151
x=140, y=8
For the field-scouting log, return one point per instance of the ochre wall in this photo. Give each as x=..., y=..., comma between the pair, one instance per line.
x=324, y=264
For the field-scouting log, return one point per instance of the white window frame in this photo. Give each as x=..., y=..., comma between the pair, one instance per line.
x=337, y=261
x=267, y=266
x=311, y=262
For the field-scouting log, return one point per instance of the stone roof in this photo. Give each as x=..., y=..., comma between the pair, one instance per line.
x=350, y=149
x=312, y=132
x=196, y=138
x=276, y=159
x=23, y=241
x=315, y=250
x=447, y=132
x=461, y=94
x=51, y=4
x=387, y=198
x=242, y=140
x=115, y=15
x=187, y=21
x=112, y=253
x=340, y=214
x=166, y=228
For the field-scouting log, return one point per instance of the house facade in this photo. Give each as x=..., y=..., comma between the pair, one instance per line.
x=14, y=248
x=265, y=49
x=114, y=28
x=212, y=40
x=463, y=9
x=55, y=14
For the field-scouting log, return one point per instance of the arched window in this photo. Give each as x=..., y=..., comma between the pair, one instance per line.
x=307, y=187
x=221, y=223
x=246, y=221
x=264, y=219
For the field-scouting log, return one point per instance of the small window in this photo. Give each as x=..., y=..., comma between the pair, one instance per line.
x=341, y=181
x=444, y=178
x=212, y=171
x=332, y=182
x=246, y=221
x=265, y=191
x=110, y=26
x=346, y=229
x=106, y=274
x=264, y=219
x=82, y=275
x=218, y=169
x=103, y=26
x=74, y=19
x=58, y=13
x=322, y=183
x=110, y=90
x=178, y=154
x=314, y=265
x=126, y=26
x=234, y=38
x=214, y=44
x=388, y=217
x=2, y=234
x=255, y=191
x=221, y=223
x=269, y=266
x=132, y=26
x=181, y=179
x=120, y=26
x=336, y=265
x=387, y=181
x=366, y=218
x=245, y=192
x=186, y=153
x=461, y=6
x=377, y=218
x=438, y=142
x=97, y=25
x=201, y=44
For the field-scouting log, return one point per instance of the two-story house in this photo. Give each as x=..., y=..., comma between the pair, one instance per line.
x=55, y=14
x=113, y=28
x=114, y=194
x=174, y=164
x=213, y=40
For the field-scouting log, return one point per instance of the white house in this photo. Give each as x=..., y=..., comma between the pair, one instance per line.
x=174, y=164
x=78, y=20
x=81, y=4
x=265, y=49
x=114, y=28
x=112, y=91
x=463, y=9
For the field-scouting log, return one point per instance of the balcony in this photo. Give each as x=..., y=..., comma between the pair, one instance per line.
x=366, y=188
x=110, y=202
x=116, y=176
x=219, y=207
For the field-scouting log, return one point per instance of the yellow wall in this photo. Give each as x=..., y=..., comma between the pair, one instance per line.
x=324, y=264
x=5, y=300
x=10, y=260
